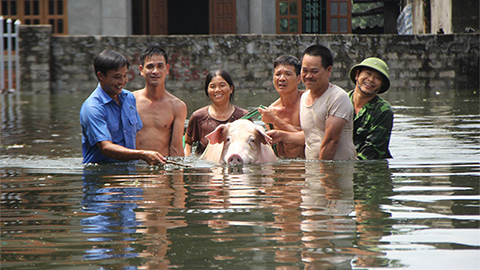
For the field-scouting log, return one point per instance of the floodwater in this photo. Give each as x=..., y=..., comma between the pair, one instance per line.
x=419, y=210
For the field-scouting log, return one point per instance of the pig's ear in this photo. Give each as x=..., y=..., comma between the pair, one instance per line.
x=217, y=136
x=264, y=138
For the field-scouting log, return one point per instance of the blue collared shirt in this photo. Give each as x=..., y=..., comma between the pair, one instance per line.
x=102, y=119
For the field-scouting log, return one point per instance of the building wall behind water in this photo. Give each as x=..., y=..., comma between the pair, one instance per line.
x=99, y=17
x=63, y=64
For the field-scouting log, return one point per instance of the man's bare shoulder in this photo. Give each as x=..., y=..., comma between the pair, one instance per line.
x=140, y=93
x=174, y=99
x=276, y=104
x=179, y=107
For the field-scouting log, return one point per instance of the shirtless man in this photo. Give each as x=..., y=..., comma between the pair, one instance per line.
x=284, y=113
x=163, y=115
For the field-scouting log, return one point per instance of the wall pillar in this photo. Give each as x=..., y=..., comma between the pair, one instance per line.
x=441, y=14
x=255, y=16
x=35, y=58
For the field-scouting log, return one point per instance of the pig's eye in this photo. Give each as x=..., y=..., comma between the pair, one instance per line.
x=228, y=139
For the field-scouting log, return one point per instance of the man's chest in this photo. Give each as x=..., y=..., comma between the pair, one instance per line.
x=291, y=116
x=157, y=119
x=156, y=115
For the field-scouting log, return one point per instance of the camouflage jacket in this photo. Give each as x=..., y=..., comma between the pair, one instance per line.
x=372, y=128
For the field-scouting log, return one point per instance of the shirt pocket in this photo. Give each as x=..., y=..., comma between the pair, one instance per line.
x=133, y=126
x=133, y=121
x=131, y=131
x=113, y=126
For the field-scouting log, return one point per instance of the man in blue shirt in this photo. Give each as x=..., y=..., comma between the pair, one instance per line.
x=109, y=117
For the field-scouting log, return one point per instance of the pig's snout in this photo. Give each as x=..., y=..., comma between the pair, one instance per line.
x=235, y=159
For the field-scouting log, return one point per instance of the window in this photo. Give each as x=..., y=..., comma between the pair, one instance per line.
x=313, y=16
x=53, y=12
x=339, y=16
x=289, y=16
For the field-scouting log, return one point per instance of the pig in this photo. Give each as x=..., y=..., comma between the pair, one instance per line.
x=239, y=142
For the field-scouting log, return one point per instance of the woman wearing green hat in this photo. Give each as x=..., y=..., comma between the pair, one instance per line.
x=373, y=116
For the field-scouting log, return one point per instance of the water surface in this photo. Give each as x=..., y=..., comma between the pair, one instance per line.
x=419, y=210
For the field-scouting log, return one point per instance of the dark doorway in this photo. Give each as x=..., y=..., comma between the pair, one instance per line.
x=188, y=17
x=139, y=18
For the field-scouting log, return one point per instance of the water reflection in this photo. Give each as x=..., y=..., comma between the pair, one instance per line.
x=419, y=210
x=435, y=126
x=290, y=215
x=39, y=216
x=373, y=187
x=297, y=212
x=327, y=228
x=41, y=125
x=130, y=214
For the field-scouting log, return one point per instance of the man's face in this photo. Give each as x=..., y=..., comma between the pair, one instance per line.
x=114, y=81
x=154, y=70
x=314, y=76
x=369, y=81
x=285, y=79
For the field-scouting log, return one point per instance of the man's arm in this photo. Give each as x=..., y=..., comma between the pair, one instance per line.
x=176, y=143
x=333, y=130
x=269, y=118
x=119, y=152
x=297, y=137
x=188, y=138
x=188, y=148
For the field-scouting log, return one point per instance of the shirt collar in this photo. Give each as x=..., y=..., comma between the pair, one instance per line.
x=105, y=97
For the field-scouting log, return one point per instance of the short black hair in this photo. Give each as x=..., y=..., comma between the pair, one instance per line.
x=151, y=51
x=323, y=52
x=109, y=60
x=288, y=60
x=225, y=75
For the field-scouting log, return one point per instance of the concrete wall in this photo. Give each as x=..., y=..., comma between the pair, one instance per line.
x=99, y=17
x=113, y=17
x=64, y=64
x=243, y=17
x=35, y=58
x=262, y=17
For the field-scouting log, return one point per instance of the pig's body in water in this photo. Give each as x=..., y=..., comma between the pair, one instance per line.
x=239, y=142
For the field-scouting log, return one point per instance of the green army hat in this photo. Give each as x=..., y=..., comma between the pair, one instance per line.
x=376, y=64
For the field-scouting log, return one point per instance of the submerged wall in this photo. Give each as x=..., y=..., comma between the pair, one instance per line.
x=62, y=64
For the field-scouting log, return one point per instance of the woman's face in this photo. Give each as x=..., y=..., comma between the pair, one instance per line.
x=219, y=90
